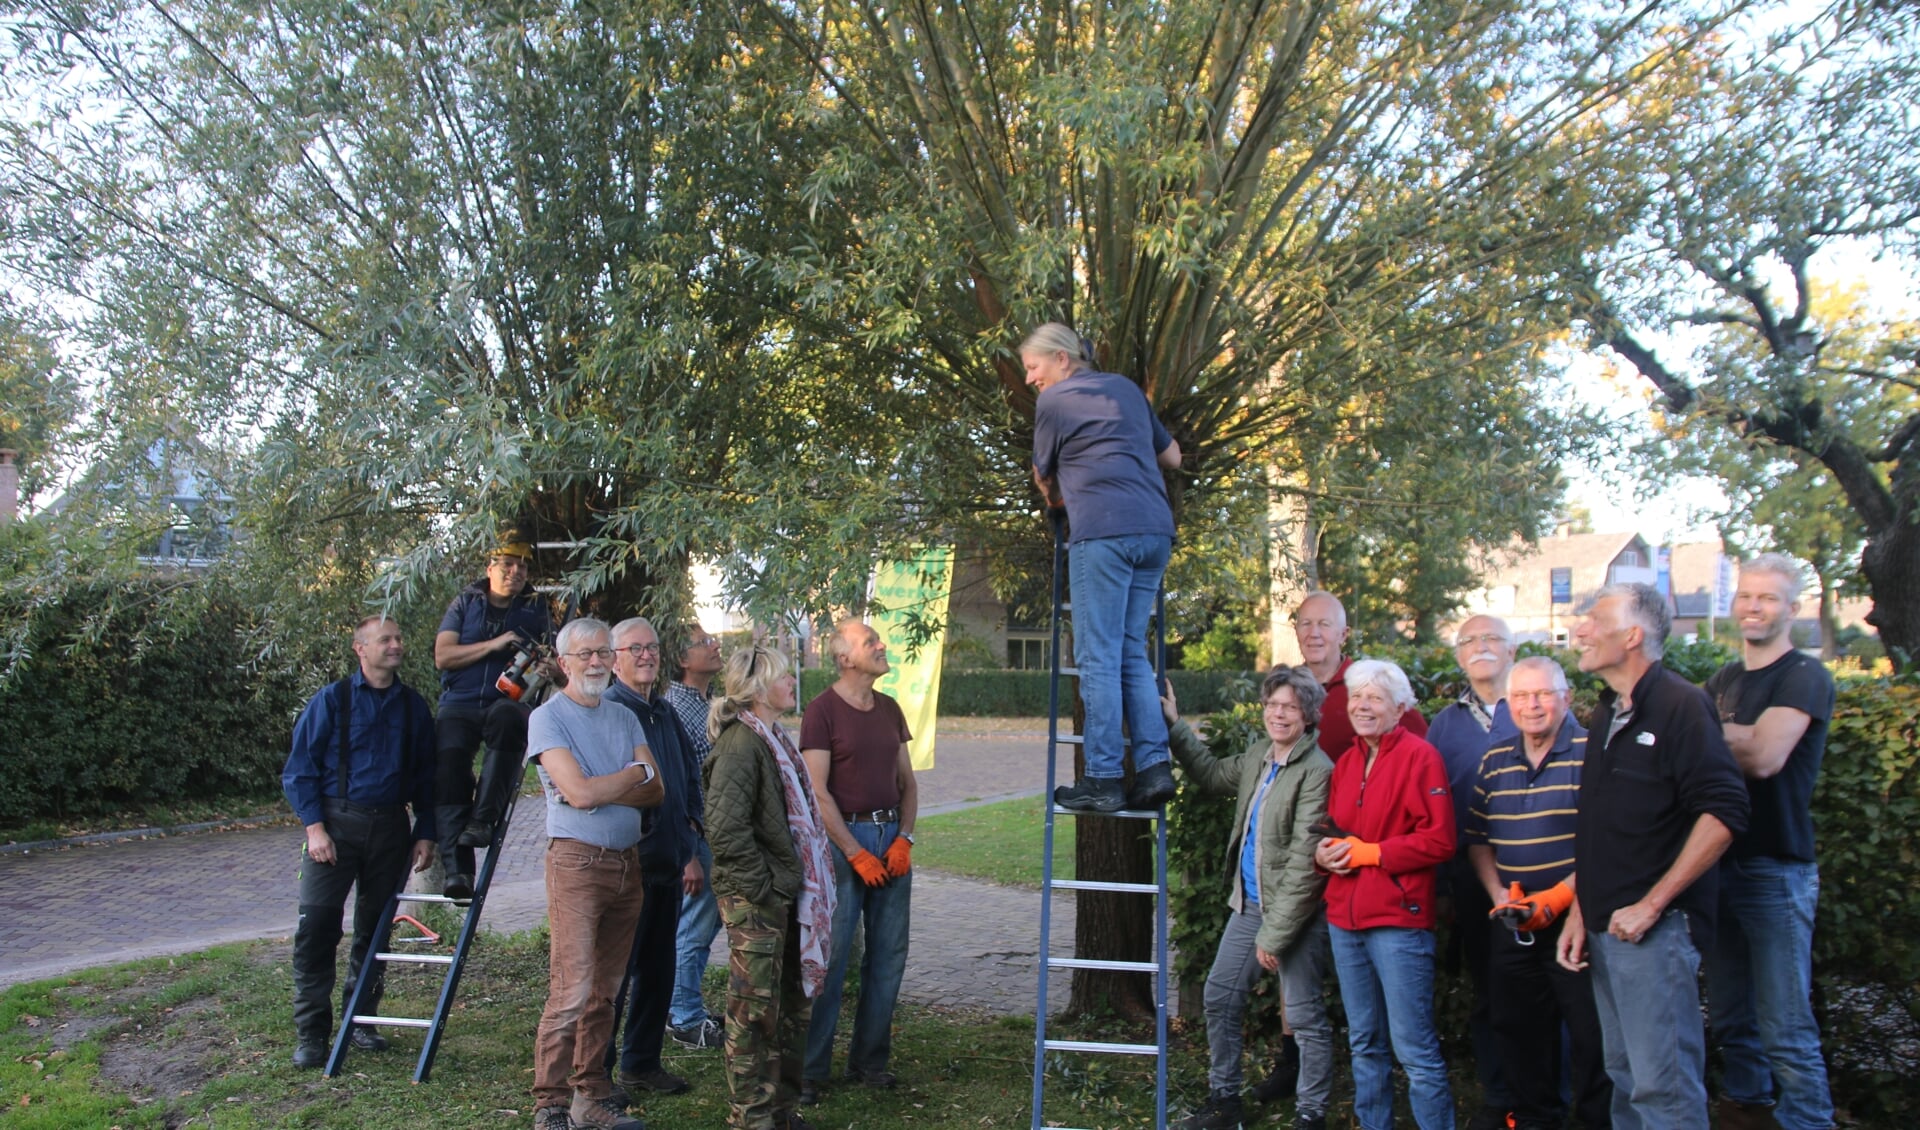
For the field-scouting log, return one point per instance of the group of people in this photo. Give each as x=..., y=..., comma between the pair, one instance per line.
x=670, y=810
x=1588, y=877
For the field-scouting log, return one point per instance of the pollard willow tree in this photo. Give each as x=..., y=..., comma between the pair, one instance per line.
x=415, y=271
x=1212, y=193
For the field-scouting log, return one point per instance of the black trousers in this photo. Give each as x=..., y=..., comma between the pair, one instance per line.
x=371, y=849
x=500, y=727
x=639, y=1037
x=1532, y=997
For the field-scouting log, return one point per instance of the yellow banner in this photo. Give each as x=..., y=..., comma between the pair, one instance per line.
x=914, y=591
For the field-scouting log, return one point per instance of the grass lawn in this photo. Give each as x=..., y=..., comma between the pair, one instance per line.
x=998, y=842
x=205, y=1040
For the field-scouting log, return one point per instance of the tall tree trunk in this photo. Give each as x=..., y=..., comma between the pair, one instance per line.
x=1891, y=563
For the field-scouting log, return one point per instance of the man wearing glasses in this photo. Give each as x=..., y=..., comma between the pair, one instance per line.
x=476, y=642
x=1520, y=829
x=597, y=773
x=668, y=867
x=689, y=695
x=1463, y=732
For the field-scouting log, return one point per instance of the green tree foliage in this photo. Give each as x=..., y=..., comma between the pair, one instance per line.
x=1772, y=154
x=37, y=401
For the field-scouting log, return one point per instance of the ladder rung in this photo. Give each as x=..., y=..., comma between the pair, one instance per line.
x=395, y=1021
x=1095, y=885
x=1080, y=739
x=1072, y=672
x=1102, y=1049
x=416, y=958
x=407, y=896
x=1096, y=963
x=1124, y=813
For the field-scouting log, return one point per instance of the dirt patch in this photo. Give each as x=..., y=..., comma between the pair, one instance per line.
x=74, y=1029
x=150, y=1066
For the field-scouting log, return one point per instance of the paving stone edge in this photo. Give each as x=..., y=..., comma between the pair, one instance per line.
x=97, y=838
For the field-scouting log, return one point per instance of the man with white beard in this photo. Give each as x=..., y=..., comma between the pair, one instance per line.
x=598, y=774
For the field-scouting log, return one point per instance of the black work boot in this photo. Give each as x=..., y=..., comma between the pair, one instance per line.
x=1152, y=787
x=1091, y=794
x=451, y=820
x=1222, y=1111
x=1285, y=1076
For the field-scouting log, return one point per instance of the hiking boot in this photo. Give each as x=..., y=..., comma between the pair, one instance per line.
x=809, y=1092
x=791, y=1120
x=881, y=1078
x=1283, y=1079
x=552, y=1118
x=706, y=1034
x=1732, y=1114
x=366, y=1039
x=459, y=887
x=1311, y=1122
x=659, y=1080
x=1091, y=794
x=477, y=834
x=1222, y=1111
x=601, y=1114
x=1152, y=787
x=310, y=1053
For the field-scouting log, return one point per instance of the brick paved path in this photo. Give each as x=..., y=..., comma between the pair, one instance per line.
x=973, y=943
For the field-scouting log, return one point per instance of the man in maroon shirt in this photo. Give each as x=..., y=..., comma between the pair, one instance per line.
x=1320, y=628
x=855, y=741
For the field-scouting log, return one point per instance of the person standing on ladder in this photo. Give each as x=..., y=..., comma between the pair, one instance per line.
x=1098, y=450
x=477, y=641
x=362, y=753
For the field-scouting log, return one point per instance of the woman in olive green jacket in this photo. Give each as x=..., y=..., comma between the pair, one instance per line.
x=773, y=880
x=1278, y=923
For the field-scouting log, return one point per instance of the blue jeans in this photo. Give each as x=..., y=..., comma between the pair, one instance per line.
x=1115, y=582
x=1386, y=982
x=1648, y=997
x=1760, y=986
x=887, y=914
x=1303, y=973
x=699, y=922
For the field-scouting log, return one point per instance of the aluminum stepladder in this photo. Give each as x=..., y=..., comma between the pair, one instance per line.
x=1048, y=884
x=454, y=963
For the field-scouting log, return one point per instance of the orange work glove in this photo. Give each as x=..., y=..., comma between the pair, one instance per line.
x=1525, y=912
x=868, y=866
x=899, y=857
x=1362, y=853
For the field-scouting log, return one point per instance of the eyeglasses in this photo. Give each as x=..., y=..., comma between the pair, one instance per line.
x=640, y=650
x=1488, y=637
x=1534, y=696
x=603, y=654
x=708, y=642
x=519, y=563
x=1284, y=708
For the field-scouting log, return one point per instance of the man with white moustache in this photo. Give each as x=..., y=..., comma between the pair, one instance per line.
x=598, y=775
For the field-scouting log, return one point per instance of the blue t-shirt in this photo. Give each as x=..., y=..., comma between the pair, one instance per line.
x=1098, y=435
x=602, y=740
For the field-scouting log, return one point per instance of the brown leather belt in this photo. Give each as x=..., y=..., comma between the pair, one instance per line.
x=876, y=816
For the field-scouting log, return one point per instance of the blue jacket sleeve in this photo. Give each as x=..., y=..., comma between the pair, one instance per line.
x=312, y=737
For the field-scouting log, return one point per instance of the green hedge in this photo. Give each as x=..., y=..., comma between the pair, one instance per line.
x=101, y=715
x=1023, y=694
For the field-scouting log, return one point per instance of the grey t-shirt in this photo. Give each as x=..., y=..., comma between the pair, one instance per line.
x=601, y=739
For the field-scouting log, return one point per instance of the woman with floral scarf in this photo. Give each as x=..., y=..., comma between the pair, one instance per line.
x=773, y=879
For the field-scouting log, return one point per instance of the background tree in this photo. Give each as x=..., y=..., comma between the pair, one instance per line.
x=1803, y=143
x=37, y=401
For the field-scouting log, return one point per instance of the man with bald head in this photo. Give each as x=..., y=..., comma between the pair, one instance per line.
x=1463, y=732
x=1320, y=628
x=855, y=741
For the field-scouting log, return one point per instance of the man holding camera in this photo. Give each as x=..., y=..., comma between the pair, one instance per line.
x=485, y=628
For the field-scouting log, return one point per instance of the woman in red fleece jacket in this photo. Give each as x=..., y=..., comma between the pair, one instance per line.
x=1392, y=819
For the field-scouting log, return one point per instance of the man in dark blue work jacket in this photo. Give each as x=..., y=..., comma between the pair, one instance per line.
x=362, y=753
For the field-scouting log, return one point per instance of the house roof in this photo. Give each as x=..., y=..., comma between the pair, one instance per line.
x=1528, y=569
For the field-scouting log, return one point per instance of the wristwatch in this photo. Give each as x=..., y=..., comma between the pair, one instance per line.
x=908, y=836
